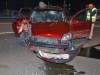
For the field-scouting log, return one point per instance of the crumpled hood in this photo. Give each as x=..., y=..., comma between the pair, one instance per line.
x=50, y=29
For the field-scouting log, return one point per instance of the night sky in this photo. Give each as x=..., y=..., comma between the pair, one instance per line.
x=17, y=4
x=14, y=4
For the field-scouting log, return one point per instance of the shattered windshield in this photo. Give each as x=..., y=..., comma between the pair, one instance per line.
x=47, y=16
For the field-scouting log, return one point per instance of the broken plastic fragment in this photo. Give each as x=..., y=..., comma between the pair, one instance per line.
x=55, y=56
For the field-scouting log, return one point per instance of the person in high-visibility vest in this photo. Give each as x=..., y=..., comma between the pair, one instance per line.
x=91, y=15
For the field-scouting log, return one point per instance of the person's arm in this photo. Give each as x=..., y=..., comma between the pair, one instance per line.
x=94, y=12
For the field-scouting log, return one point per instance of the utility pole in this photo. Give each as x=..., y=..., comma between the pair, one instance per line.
x=48, y=3
x=5, y=10
x=64, y=4
x=6, y=5
x=13, y=5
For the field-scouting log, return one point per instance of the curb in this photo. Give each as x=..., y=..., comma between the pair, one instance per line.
x=97, y=26
x=5, y=17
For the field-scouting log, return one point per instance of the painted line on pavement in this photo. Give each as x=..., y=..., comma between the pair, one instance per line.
x=6, y=32
x=5, y=23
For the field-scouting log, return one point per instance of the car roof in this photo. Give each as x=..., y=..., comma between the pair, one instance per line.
x=49, y=7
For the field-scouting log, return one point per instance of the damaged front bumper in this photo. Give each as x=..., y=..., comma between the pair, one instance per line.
x=60, y=58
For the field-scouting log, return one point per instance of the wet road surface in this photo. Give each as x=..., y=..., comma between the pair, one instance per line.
x=18, y=60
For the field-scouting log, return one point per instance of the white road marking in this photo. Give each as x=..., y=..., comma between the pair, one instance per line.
x=5, y=23
x=6, y=32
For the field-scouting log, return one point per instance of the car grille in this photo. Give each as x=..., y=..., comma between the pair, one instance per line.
x=49, y=41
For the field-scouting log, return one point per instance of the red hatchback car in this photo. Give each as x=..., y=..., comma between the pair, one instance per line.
x=48, y=33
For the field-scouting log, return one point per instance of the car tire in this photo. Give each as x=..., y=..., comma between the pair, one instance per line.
x=23, y=39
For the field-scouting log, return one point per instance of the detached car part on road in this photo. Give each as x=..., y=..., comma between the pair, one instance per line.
x=50, y=35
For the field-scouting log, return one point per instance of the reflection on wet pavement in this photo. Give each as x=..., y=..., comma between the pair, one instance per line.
x=60, y=69
x=92, y=52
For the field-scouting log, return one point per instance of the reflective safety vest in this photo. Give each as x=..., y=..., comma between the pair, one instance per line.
x=93, y=17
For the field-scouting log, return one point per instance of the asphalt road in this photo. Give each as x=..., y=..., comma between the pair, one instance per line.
x=18, y=60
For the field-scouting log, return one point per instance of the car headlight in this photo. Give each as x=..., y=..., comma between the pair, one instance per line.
x=66, y=37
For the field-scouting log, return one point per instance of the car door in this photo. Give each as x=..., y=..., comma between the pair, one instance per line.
x=80, y=27
x=16, y=20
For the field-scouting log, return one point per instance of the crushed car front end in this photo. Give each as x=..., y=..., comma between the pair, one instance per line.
x=53, y=49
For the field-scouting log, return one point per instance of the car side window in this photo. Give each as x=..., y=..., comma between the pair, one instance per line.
x=25, y=11
x=81, y=16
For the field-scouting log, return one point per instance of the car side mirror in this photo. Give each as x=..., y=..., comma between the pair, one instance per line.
x=27, y=17
x=17, y=18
